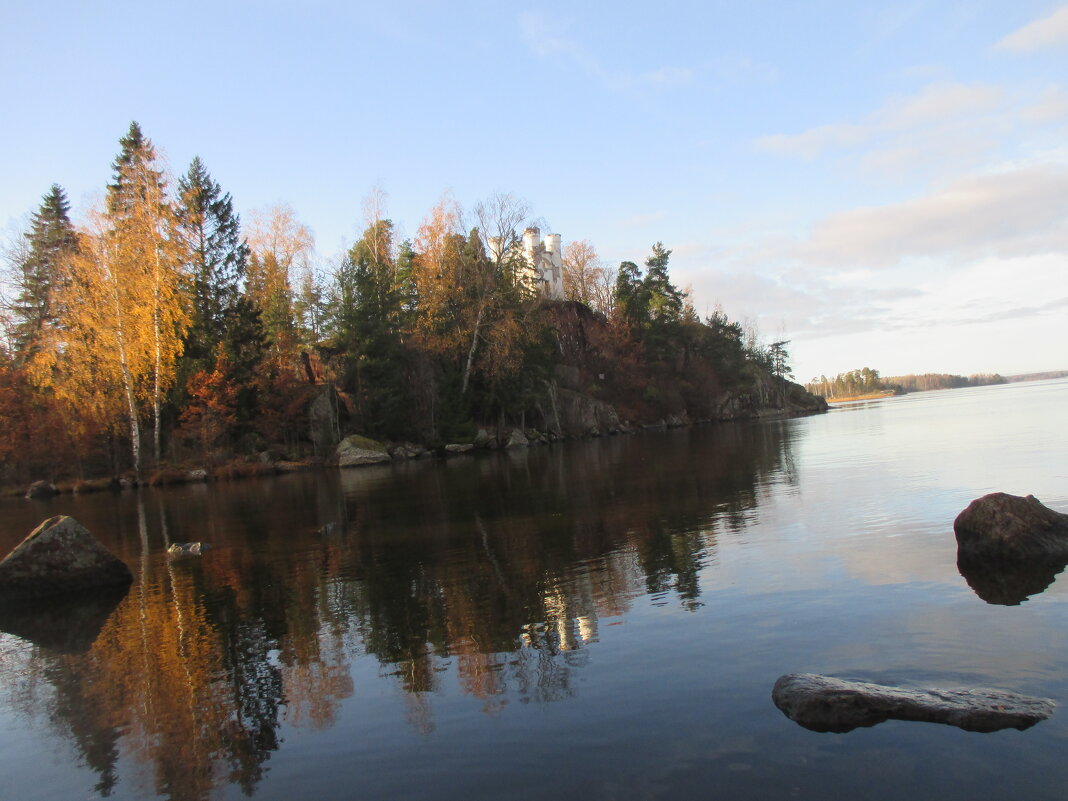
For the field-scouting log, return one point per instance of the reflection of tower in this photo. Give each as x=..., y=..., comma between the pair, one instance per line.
x=546, y=262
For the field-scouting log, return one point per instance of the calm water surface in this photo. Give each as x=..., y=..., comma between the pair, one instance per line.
x=595, y=620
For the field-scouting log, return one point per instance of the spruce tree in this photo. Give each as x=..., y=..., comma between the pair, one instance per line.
x=365, y=318
x=40, y=273
x=218, y=257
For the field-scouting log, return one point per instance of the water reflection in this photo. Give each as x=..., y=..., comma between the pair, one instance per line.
x=68, y=624
x=1008, y=582
x=497, y=569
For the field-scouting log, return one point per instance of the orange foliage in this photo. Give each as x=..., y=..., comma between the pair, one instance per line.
x=211, y=413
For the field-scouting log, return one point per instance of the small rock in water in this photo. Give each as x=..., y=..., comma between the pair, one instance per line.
x=1004, y=525
x=824, y=703
x=187, y=548
x=41, y=489
x=59, y=556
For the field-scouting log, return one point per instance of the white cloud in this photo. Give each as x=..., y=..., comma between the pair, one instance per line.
x=667, y=76
x=1050, y=107
x=1016, y=212
x=1051, y=31
x=934, y=105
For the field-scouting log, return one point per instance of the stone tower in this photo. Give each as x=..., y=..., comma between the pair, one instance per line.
x=546, y=262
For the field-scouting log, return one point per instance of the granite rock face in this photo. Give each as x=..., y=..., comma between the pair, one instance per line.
x=1002, y=525
x=827, y=704
x=60, y=556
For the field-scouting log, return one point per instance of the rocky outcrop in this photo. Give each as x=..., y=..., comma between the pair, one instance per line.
x=1008, y=526
x=60, y=556
x=827, y=704
x=455, y=448
x=327, y=415
x=355, y=450
x=579, y=414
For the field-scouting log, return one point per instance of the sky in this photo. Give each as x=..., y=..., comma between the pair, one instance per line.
x=881, y=184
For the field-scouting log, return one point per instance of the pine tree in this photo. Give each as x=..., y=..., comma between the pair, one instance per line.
x=665, y=299
x=40, y=273
x=217, y=257
x=630, y=298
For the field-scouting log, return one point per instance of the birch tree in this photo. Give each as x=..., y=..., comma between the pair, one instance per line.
x=148, y=246
x=123, y=309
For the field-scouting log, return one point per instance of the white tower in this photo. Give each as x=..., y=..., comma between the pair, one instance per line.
x=545, y=261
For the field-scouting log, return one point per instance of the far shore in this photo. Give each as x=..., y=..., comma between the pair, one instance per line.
x=886, y=393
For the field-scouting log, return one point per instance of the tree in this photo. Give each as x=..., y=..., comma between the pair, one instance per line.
x=586, y=278
x=218, y=257
x=665, y=300
x=366, y=318
x=282, y=247
x=630, y=296
x=211, y=413
x=38, y=272
x=124, y=313
x=147, y=242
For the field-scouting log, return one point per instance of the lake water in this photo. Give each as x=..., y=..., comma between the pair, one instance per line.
x=594, y=620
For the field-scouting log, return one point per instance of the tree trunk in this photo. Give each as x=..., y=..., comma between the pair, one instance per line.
x=471, y=352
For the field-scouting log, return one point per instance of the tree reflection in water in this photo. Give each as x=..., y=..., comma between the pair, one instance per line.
x=497, y=569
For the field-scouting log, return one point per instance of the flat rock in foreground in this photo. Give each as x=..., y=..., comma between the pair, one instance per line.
x=1004, y=525
x=824, y=703
x=59, y=557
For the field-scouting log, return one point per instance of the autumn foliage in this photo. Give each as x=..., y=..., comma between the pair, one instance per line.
x=159, y=330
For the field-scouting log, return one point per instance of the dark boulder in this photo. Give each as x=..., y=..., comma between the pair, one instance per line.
x=59, y=557
x=827, y=704
x=41, y=489
x=1002, y=525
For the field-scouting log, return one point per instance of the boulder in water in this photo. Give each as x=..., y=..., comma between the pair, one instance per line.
x=41, y=489
x=828, y=704
x=355, y=450
x=187, y=548
x=60, y=556
x=1003, y=525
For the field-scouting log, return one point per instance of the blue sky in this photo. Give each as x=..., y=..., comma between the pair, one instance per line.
x=884, y=184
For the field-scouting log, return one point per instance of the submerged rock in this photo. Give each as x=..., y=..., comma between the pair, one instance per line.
x=59, y=556
x=824, y=703
x=1004, y=525
x=355, y=450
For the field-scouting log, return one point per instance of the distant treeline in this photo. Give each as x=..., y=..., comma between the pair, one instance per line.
x=868, y=382
x=928, y=381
